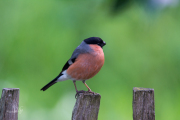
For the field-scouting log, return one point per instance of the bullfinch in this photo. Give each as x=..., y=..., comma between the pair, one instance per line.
x=85, y=62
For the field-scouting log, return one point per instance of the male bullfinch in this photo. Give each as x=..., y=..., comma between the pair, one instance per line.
x=85, y=62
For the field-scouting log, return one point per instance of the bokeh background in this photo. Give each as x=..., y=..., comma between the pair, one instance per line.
x=143, y=50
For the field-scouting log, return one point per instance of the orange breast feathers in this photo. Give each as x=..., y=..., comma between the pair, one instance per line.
x=87, y=65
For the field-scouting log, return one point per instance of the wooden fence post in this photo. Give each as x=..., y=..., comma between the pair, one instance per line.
x=143, y=104
x=9, y=104
x=86, y=107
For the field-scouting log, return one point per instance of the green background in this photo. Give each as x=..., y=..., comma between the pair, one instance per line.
x=143, y=50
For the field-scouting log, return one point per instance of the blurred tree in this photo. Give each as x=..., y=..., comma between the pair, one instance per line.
x=148, y=5
x=119, y=5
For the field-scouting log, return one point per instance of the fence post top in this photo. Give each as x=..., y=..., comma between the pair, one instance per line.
x=10, y=88
x=135, y=89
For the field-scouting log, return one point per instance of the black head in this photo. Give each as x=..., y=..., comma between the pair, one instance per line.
x=95, y=40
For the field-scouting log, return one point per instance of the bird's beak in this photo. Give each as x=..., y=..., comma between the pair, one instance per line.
x=104, y=43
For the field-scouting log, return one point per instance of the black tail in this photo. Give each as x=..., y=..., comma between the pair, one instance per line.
x=51, y=83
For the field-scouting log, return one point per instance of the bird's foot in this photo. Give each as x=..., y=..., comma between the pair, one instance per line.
x=82, y=91
x=77, y=92
x=91, y=92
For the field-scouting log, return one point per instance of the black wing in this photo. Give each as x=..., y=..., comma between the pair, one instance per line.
x=68, y=63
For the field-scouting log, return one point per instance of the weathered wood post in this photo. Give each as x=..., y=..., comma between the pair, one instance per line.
x=9, y=104
x=86, y=107
x=143, y=104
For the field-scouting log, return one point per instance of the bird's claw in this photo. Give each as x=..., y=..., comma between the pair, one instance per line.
x=82, y=91
x=91, y=92
x=77, y=92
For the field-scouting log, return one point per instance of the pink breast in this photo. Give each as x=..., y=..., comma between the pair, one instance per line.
x=87, y=65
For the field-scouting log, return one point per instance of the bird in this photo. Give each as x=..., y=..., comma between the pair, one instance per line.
x=85, y=62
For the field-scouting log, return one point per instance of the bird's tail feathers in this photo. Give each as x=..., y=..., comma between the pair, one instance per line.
x=51, y=83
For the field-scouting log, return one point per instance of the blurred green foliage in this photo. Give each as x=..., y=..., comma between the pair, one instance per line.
x=38, y=37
